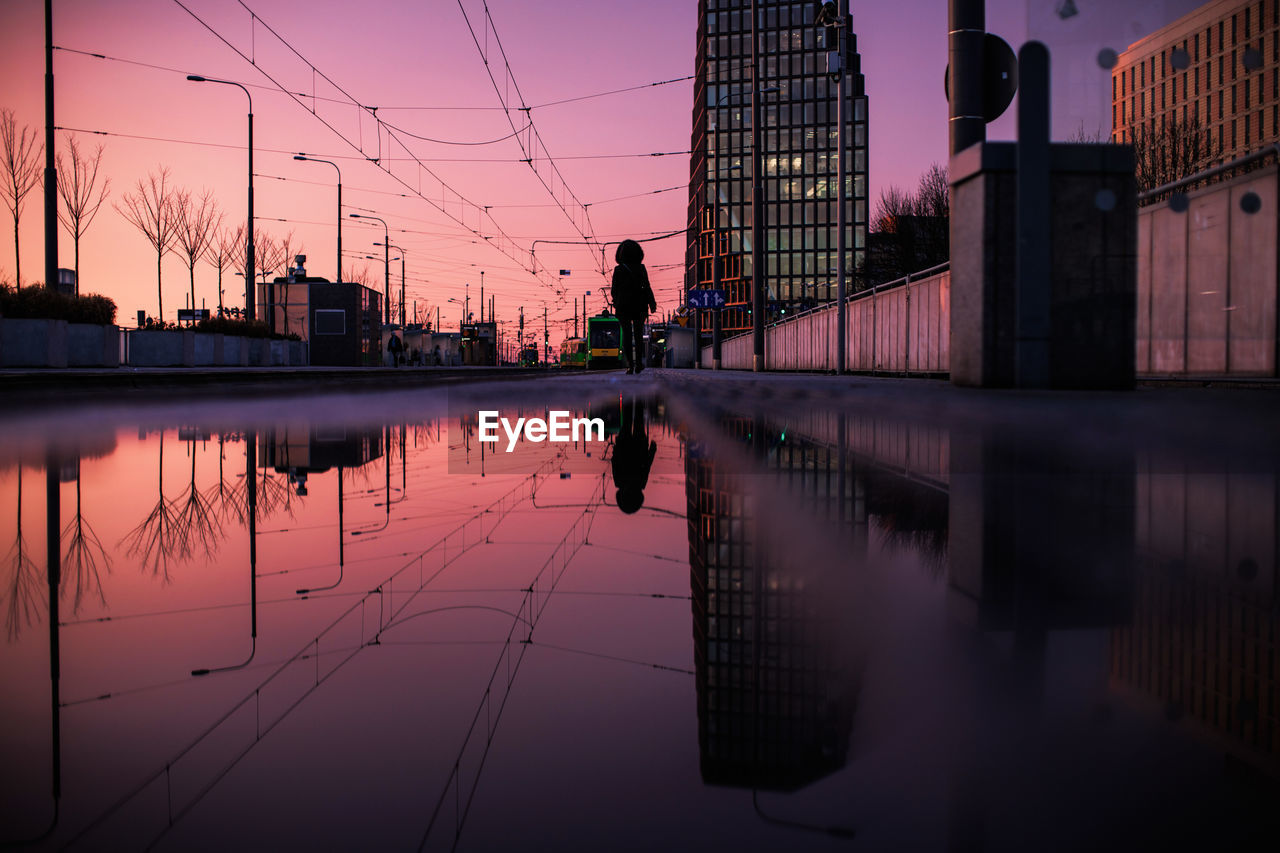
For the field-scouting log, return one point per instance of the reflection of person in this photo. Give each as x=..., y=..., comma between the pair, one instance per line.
x=632, y=300
x=633, y=454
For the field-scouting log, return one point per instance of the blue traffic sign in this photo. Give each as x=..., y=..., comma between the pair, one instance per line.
x=699, y=298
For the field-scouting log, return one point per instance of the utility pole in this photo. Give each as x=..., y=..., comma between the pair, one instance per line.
x=520, y=337
x=50, y=166
x=575, y=316
x=546, y=338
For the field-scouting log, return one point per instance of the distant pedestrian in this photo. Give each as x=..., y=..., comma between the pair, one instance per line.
x=396, y=347
x=632, y=300
x=436, y=356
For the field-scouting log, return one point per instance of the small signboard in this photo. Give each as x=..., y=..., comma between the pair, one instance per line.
x=192, y=315
x=700, y=298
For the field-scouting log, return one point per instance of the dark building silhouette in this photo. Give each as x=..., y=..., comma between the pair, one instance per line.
x=800, y=142
x=775, y=695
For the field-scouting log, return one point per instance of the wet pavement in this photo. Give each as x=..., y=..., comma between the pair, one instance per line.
x=758, y=613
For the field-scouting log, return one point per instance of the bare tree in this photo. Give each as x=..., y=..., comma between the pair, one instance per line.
x=157, y=539
x=894, y=202
x=1080, y=135
x=224, y=249
x=933, y=196
x=197, y=522
x=359, y=276
x=287, y=253
x=1171, y=153
x=21, y=174
x=196, y=230
x=85, y=555
x=80, y=191
x=151, y=209
x=23, y=594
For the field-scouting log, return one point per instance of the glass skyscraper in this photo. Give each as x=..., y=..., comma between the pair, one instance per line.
x=800, y=150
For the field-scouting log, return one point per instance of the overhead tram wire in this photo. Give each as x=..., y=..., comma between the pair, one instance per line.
x=499, y=240
x=433, y=107
x=584, y=229
x=355, y=158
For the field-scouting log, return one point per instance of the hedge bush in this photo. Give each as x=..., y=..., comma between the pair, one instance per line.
x=37, y=302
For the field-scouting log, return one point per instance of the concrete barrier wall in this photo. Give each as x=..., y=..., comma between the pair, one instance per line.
x=33, y=343
x=90, y=345
x=903, y=329
x=1207, y=281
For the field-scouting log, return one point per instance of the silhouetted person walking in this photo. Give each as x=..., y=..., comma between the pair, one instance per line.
x=632, y=300
x=633, y=454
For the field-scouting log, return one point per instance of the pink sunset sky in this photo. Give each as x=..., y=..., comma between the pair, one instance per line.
x=418, y=63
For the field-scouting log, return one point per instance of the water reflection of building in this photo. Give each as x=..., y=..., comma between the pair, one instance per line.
x=1203, y=636
x=306, y=449
x=775, y=698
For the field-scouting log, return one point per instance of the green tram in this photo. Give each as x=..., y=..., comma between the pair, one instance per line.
x=573, y=353
x=604, y=342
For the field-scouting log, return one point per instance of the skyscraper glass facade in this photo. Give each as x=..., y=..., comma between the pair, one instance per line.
x=800, y=158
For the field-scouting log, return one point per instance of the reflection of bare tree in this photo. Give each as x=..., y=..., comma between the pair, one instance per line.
x=85, y=556
x=24, y=591
x=157, y=539
x=274, y=495
x=197, y=522
x=229, y=503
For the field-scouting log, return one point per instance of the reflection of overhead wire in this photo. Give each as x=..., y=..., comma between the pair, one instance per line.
x=601, y=655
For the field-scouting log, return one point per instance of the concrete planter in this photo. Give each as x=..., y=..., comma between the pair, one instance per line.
x=205, y=349
x=298, y=353
x=162, y=349
x=235, y=351
x=259, y=352
x=33, y=343
x=91, y=345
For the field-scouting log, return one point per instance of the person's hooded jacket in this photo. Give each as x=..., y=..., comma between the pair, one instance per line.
x=632, y=294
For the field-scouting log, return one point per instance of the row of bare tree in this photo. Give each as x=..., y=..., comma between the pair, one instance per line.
x=172, y=219
x=176, y=220
x=79, y=189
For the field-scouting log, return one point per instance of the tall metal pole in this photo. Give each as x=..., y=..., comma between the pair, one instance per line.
x=50, y=164
x=842, y=209
x=966, y=30
x=757, y=198
x=1032, y=312
x=250, y=296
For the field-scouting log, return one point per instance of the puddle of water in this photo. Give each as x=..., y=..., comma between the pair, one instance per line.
x=356, y=625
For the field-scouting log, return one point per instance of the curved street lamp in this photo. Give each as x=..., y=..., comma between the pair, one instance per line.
x=390, y=245
x=303, y=156
x=386, y=265
x=249, y=296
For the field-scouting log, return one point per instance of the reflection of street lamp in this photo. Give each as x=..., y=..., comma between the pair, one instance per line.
x=248, y=290
x=341, y=546
x=251, y=483
x=386, y=264
x=338, y=276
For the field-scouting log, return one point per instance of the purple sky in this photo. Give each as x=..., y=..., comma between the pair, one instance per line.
x=393, y=55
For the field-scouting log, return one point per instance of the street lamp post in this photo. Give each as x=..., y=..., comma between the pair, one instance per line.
x=338, y=269
x=831, y=17
x=386, y=265
x=402, y=254
x=249, y=296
